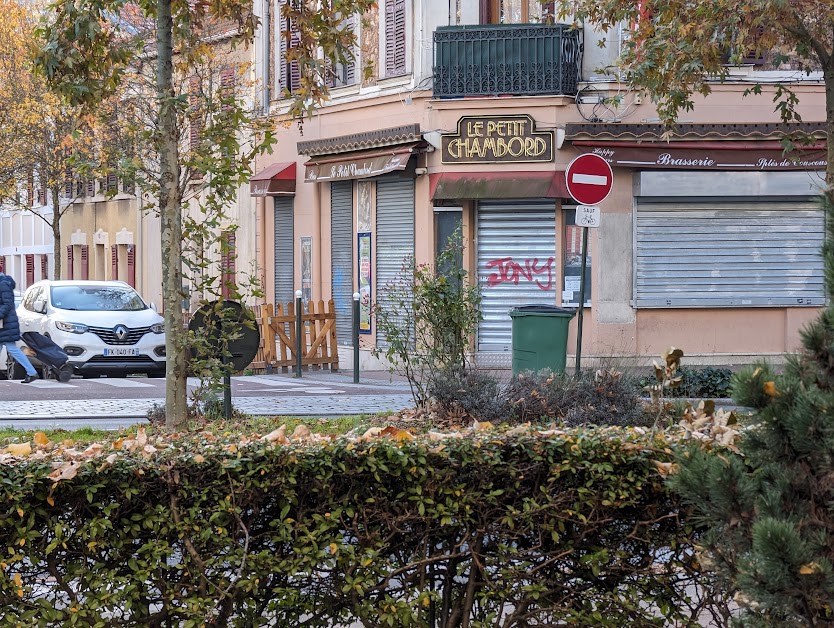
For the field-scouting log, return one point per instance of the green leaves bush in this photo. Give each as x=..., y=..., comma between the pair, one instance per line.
x=486, y=528
x=706, y=383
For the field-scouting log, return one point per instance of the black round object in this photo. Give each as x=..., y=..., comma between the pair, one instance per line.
x=237, y=321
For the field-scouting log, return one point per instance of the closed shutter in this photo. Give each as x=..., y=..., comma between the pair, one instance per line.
x=341, y=255
x=516, y=265
x=725, y=254
x=114, y=262
x=44, y=266
x=85, y=262
x=30, y=269
x=343, y=73
x=284, y=268
x=394, y=37
x=394, y=235
x=131, y=265
x=70, y=263
x=2, y=263
x=228, y=258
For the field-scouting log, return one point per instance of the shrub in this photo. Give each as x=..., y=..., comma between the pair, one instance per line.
x=529, y=528
x=472, y=393
x=601, y=398
x=428, y=319
x=707, y=382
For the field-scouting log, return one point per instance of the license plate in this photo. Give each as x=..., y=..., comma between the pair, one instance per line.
x=119, y=353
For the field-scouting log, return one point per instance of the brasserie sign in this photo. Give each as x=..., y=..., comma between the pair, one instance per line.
x=496, y=139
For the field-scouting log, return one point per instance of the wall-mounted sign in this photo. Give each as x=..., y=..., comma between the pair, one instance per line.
x=496, y=139
x=364, y=258
x=668, y=157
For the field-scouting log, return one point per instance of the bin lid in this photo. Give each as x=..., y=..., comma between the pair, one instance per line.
x=541, y=310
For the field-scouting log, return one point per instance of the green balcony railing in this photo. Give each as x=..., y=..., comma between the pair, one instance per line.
x=506, y=59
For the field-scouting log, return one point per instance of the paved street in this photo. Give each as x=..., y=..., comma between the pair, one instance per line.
x=112, y=403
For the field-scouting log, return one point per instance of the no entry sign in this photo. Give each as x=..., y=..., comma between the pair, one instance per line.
x=589, y=179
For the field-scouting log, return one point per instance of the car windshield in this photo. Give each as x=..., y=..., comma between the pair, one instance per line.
x=96, y=298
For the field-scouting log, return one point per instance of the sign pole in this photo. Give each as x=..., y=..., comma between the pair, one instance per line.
x=356, y=337
x=581, y=298
x=299, y=332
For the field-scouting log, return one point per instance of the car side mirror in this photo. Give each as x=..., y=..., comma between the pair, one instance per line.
x=153, y=307
x=40, y=306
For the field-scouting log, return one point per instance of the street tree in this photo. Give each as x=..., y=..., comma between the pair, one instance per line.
x=90, y=49
x=678, y=48
x=40, y=133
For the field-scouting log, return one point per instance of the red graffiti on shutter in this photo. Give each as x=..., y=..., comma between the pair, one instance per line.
x=507, y=270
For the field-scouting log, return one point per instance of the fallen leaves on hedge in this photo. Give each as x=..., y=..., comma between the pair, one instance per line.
x=67, y=460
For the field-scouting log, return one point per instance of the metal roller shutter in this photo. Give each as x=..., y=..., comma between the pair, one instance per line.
x=284, y=266
x=516, y=265
x=727, y=254
x=394, y=233
x=341, y=255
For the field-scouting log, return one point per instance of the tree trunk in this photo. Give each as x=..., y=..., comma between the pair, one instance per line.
x=170, y=212
x=56, y=235
x=828, y=74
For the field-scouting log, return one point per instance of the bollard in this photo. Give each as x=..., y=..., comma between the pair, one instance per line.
x=299, y=328
x=355, y=337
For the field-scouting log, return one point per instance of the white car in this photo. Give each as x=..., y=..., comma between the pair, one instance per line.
x=103, y=326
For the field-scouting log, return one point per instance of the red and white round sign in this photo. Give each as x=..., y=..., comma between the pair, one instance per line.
x=589, y=179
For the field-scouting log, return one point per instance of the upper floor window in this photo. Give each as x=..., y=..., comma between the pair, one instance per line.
x=518, y=11
x=288, y=73
x=395, y=42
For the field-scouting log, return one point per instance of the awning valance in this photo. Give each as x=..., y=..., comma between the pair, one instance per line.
x=358, y=164
x=275, y=180
x=497, y=184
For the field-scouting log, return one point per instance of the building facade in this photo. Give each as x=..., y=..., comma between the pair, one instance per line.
x=708, y=242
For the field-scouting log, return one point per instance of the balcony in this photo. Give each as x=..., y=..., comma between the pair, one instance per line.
x=506, y=59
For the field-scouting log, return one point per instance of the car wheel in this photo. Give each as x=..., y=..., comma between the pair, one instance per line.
x=13, y=369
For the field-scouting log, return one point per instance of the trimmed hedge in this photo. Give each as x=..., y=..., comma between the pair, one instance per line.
x=488, y=529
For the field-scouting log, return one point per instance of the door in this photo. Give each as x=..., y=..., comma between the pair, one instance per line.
x=341, y=256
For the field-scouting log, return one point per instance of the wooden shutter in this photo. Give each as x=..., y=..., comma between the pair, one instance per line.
x=131, y=265
x=70, y=259
x=195, y=119
x=85, y=262
x=290, y=37
x=114, y=262
x=91, y=187
x=30, y=189
x=2, y=263
x=44, y=266
x=227, y=264
x=394, y=37
x=30, y=269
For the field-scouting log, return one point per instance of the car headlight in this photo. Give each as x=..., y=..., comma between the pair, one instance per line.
x=75, y=328
x=159, y=328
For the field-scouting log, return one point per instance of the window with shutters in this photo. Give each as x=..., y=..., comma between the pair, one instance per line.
x=227, y=264
x=195, y=119
x=30, y=189
x=288, y=73
x=395, y=29
x=343, y=72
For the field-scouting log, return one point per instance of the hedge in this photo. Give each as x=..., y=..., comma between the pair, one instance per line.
x=490, y=528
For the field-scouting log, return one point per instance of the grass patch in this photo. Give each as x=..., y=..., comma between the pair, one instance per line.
x=82, y=435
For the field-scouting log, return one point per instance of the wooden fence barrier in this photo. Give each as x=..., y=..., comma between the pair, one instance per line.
x=277, y=348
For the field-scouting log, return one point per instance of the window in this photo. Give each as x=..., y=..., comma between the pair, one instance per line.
x=519, y=11
x=395, y=29
x=343, y=73
x=447, y=222
x=288, y=73
x=573, y=263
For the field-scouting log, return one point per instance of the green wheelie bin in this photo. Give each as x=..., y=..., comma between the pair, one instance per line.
x=540, y=337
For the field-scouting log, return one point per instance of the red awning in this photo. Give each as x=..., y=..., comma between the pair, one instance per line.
x=275, y=180
x=358, y=164
x=497, y=184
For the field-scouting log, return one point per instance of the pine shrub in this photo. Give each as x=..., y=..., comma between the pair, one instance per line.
x=768, y=502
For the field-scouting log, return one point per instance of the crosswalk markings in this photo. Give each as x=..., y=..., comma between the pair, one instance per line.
x=268, y=381
x=123, y=383
x=49, y=383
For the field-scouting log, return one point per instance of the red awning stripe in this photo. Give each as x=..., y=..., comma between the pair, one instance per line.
x=497, y=184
